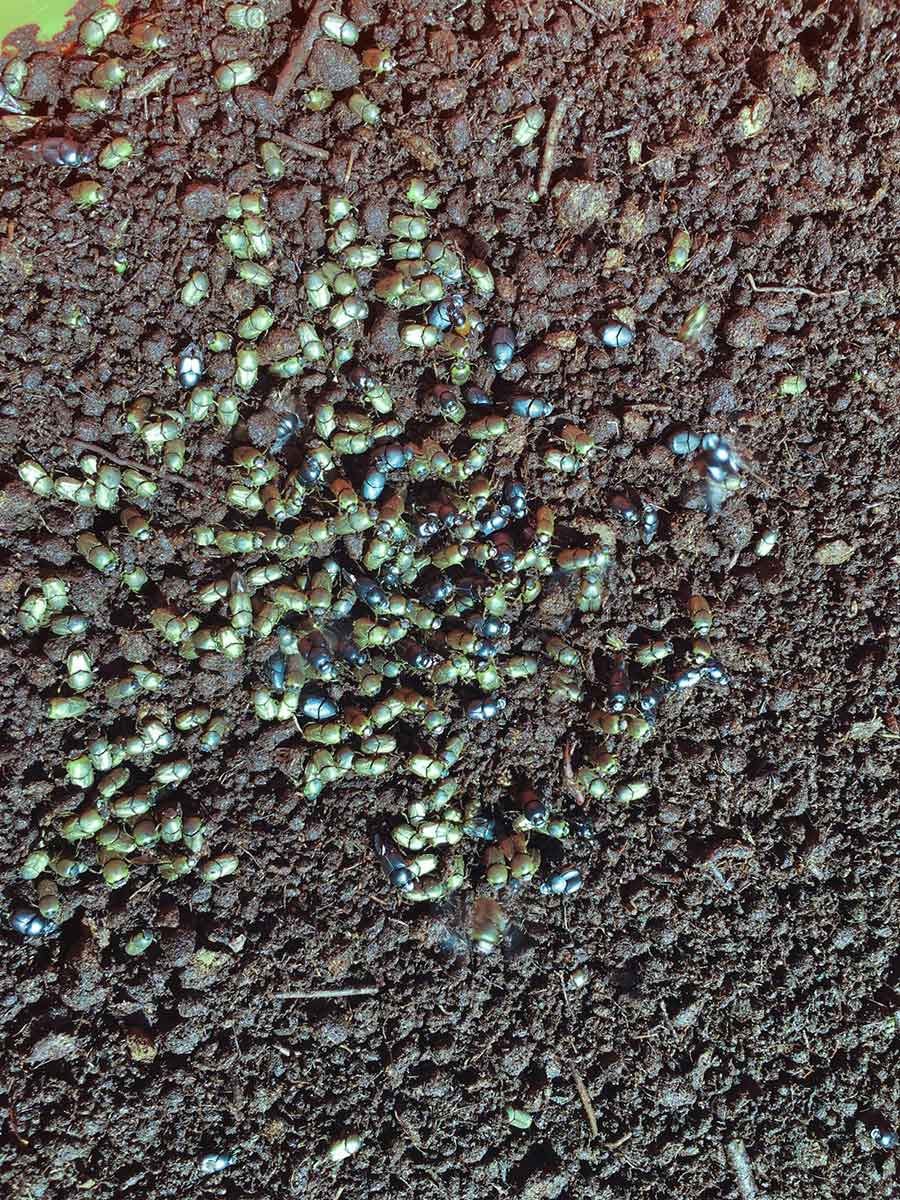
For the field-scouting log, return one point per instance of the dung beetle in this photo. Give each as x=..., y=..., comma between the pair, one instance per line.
x=415, y=654
x=360, y=378
x=368, y=591
x=434, y=587
x=309, y=471
x=190, y=365
x=486, y=709
x=531, y=407
x=485, y=828
x=315, y=650
x=501, y=347
x=425, y=526
x=687, y=679
x=477, y=397
x=287, y=427
x=211, y=1164
x=505, y=558
x=9, y=103
x=57, y=151
x=514, y=498
x=392, y=457
x=396, y=867
x=616, y=336
x=276, y=670
x=485, y=649
x=30, y=923
x=493, y=521
x=563, y=882
x=649, y=524
x=373, y=485
x=618, y=687
x=447, y=313
x=346, y=648
x=623, y=506
x=715, y=672
x=534, y=809
x=488, y=626
x=682, y=441
x=884, y=1139
x=316, y=704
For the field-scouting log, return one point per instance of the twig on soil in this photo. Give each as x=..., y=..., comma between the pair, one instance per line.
x=13, y=1127
x=349, y=171
x=584, y=1095
x=795, y=291
x=619, y=1141
x=551, y=140
x=738, y=1160
x=300, y=51
x=93, y=448
x=587, y=8
x=327, y=993
x=292, y=143
x=615, y=132
x=154, y=82
x=569, y=776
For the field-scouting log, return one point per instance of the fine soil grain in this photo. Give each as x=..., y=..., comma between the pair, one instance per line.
x=738, y=925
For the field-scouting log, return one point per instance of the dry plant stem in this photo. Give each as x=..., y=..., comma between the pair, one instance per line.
x=285, y=139
x=327, y=993
x=587, y=8
x=736, y=1153
x=93, y=448
x=795, y=291
x=585, y=1101
x=300, y=51
x=154, y=82
x=554, y=127
x=569, y=776
x=349, y=170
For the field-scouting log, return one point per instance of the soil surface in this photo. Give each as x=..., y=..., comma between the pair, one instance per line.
x=737, y=927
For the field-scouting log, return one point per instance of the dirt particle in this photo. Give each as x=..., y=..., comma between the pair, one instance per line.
x=790, y=74
x=420, y=149
x=384, y=335
x=861, y=731
x=203, y=202
x=288, y=203
x=375, y=215
x=262, y=427
x=257, y=105
x=52, y=1048
x=333, y=66
x=834, y=553
x=667, y=349
x=141, y=1045
x=226, y=47
x=580, y=203
x=204, y=970
x=562, y=339
x=448, y=93
x=458, y=133
x=632, y=222
x=745, y=330
x=543, y=360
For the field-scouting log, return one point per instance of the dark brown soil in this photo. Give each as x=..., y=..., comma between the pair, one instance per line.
x=739, y=924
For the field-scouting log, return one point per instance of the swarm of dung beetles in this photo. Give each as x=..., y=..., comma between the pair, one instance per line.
x=386, y=573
